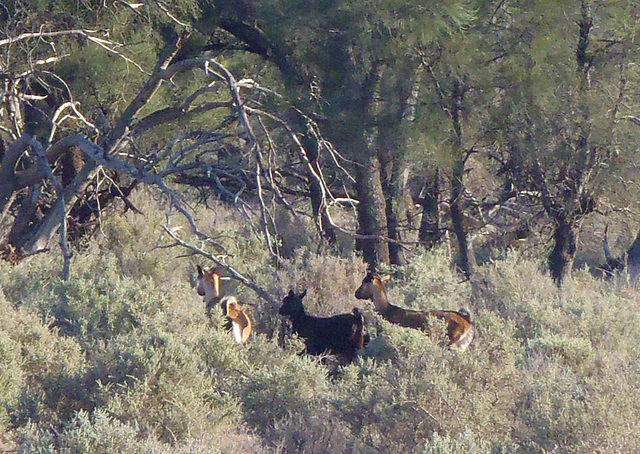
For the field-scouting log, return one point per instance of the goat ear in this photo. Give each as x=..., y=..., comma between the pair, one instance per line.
x=303, y=294
x=200, y=272
x=385, y=278
x=290, y=292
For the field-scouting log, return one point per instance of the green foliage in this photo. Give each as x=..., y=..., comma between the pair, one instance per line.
x=41, y=368
x=11, y=377
x=101, y=433
x=430, y=282
x=574, y=352
x=271, y=396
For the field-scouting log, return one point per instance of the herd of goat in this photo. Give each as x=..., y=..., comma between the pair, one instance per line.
x=342, y=335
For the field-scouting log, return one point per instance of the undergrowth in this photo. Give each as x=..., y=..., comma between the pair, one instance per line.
x=122, y=358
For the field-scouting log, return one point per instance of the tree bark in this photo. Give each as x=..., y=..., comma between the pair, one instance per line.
x=391, y=168
x=371, y=211
x=457, y=220
x=373, y=249
x=457, y=184
x=394, y=204
x=26, y=217
x=429, y=231
x=564, y=248
x=577, y=203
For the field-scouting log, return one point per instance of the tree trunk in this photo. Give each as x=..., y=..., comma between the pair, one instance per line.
x=393, y=191
x=41, y=234
x=578, y=203
x=399, y=112
x=429, y=232
x=457, y=184
x=457, y=221
x=633, y=260
x=394, y=204
x=564, y=249
x=371, y=209
x=630, y=260
x=26, y=217
x=374, y=250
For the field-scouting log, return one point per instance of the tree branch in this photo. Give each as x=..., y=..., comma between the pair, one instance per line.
x=61, y=206
x=161, y=72
x=261, y=292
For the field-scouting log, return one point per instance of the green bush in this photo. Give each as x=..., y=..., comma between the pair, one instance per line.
x=575, y=353
x=122, y=357
x=11, y=376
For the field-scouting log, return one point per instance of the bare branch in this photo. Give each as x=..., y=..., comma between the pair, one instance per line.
x=241, y=110
x=161, y=72
x=220, y=262
x=109, y=46
x=74, y=107
x=26, y=36
x=168, y=114
x=61, y=205
x=171, y=16
x=633, y=119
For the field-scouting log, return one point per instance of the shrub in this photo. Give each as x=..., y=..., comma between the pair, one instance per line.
x=122, y=358
x=100, y=433
x=573, y=352
x=11, y=376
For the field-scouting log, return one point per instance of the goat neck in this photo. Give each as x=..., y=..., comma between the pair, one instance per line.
x=379, y=296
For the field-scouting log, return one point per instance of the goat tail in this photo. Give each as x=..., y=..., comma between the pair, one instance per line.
x=230, y=305
x=465, y=313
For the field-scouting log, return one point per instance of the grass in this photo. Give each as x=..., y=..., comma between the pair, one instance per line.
x=122, y=358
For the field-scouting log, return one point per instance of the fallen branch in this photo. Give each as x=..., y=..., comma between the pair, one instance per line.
x=61, y=206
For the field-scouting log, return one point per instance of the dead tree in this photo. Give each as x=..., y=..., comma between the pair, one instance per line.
x=79, y=166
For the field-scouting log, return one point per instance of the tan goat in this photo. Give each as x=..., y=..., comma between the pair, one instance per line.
x=460, y=329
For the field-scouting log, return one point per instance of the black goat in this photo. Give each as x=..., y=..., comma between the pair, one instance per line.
x=341, y=335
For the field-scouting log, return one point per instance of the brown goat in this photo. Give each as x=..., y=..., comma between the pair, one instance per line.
x=341, y=335
x=237, y=320
x=460, y=329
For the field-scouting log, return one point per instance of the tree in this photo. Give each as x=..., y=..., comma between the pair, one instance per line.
x=355, y=57
x=325, y=102
x=184, y=117
x=556, y=124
